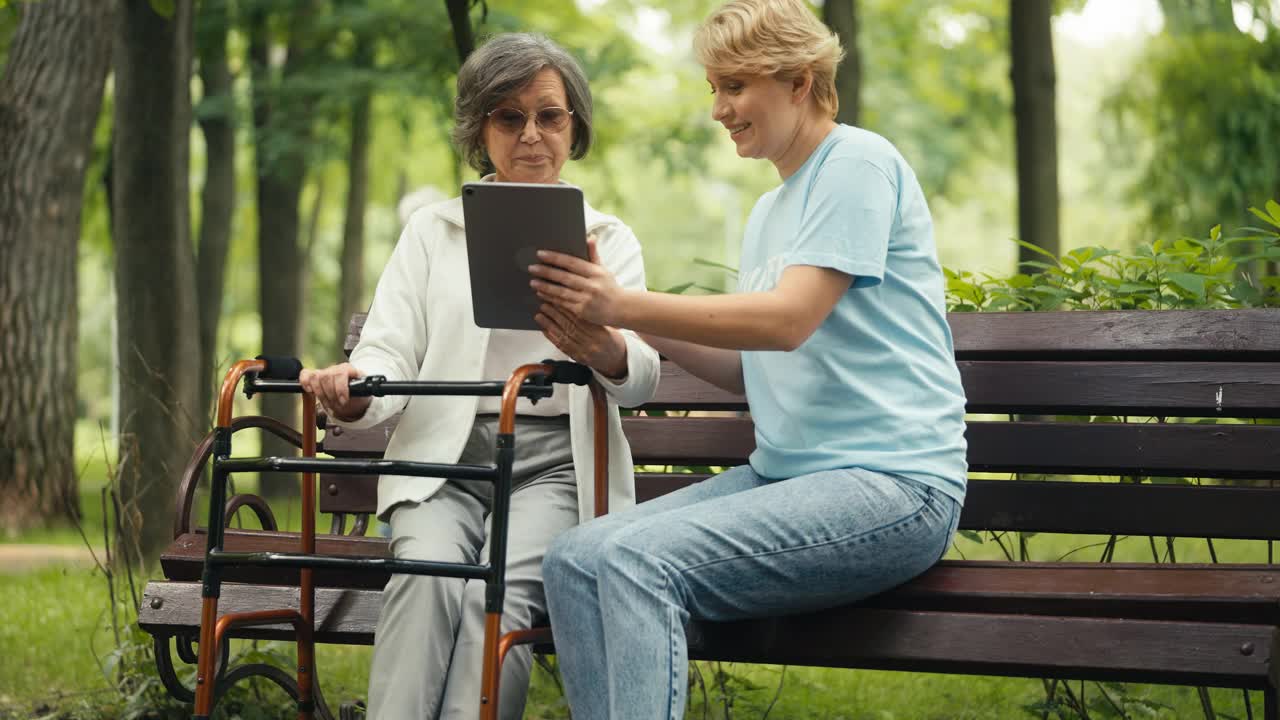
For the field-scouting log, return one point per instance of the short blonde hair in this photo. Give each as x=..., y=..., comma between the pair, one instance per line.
x=779, y=38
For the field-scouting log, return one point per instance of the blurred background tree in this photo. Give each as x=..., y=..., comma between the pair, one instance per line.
x=311, y=129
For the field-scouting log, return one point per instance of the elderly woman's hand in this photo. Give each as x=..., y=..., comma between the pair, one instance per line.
x=329, y=385
x=584, y=289
x=599, y=347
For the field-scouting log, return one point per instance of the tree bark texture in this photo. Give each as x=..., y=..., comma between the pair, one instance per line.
x=159, y=345
x=218, y=196
x=1036, y=125
x=842, y=17
x=281, y=131
x=50, y=97
x=351, y=292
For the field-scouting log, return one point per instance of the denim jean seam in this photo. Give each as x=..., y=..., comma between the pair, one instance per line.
x=831, y=541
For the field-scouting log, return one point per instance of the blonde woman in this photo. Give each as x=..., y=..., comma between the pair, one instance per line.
x=838, y=337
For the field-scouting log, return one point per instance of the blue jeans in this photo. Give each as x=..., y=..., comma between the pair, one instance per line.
x=621, y=589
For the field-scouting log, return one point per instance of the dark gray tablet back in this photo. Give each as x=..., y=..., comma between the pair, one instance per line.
x=507, y=223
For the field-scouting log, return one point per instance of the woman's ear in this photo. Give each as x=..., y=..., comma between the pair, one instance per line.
x=802, y=86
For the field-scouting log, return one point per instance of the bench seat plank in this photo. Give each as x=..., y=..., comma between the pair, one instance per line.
x=853, y=637
x=1212, y=593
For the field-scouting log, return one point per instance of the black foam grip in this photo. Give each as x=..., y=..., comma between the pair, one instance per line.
x=280, y=367
x=572, y=373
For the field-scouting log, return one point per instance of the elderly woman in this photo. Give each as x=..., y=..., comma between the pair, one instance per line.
x=524, y=105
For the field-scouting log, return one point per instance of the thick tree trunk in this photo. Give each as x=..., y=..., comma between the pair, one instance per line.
x=50, y=97
x=351, y=293
x=155, y=267
x=218, y=196
x=280, y=134
x=1035, y=120
x=842, y=17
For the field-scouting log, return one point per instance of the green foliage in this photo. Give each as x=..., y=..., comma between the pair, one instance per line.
x=1181, y=274
x=1200, y=115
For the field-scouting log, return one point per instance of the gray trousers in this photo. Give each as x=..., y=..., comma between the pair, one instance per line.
x=428, y=647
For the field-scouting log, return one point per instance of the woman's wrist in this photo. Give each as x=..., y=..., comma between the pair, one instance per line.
x=616, y=368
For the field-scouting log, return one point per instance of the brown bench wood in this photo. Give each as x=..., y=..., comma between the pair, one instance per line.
x=1157, y=374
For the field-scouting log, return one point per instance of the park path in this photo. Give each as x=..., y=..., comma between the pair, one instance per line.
x=15, y=557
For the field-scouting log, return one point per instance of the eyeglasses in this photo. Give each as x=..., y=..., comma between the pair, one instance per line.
x=513, y=121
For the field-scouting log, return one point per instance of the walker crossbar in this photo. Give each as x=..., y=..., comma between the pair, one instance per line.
x=530, y=381
x=357, y=467
x=372, y=564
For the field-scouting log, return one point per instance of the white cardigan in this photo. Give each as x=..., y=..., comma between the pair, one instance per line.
x=421, y=327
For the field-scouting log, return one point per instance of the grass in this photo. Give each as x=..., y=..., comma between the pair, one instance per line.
x=55, y=634
x=55, y=637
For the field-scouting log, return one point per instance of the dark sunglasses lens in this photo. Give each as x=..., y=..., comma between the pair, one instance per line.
x=509, y=119
x=553, y=119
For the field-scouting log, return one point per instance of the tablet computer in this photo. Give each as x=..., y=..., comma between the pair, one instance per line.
x=507, y=223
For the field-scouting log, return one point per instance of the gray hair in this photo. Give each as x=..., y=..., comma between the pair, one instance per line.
x=502, y=66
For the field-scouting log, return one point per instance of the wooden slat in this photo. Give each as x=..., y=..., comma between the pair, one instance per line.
x=348, y=493
x=1185, y=450
x=993, y=644
x=1247, y=594
x=1122, y=508
x=364, y=442
x=678, y=390
x=184, y=558
x=689, y=441
x=1092, y=508
x=851, y=636
x=343, y=615
x=1143, y=335
x=1193, y=450
x=1246, y=334
x=1172, y=389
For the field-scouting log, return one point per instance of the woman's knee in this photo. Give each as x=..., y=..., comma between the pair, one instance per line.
x=571, y=552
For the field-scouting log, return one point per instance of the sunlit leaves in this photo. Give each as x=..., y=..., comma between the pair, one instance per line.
x=1183, y=273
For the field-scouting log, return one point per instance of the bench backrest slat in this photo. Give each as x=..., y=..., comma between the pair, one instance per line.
x=1179, y=366
x=1105, y=508
x=1142, y=335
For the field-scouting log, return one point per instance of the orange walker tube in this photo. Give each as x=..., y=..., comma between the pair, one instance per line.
x=496, y=645
x=213, y=629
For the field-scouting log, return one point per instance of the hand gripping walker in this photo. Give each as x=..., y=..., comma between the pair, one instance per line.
x=281, y=375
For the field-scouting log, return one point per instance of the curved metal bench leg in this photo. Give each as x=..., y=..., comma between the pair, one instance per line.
x=277, y=675
x=165, y=667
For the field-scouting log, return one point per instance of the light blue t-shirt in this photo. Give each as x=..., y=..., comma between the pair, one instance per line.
x=876, y=386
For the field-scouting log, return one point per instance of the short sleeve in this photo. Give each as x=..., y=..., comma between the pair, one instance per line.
x=847, y=220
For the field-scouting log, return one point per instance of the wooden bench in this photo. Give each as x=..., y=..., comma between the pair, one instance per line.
x=1155, y=372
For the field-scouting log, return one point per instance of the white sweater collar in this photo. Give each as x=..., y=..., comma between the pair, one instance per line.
x=451, y=210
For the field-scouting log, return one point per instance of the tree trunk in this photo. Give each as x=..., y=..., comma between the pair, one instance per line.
x=351, y=293
x=1036, y=128
x=842, y=17
x=281, y=131
x=155, y=267
x=218, y=196
x=310, y=235
x=50, y=97
x=460, y=20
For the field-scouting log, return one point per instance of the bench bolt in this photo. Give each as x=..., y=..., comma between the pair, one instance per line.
x=157, y=603
x=1246, y=649
x=333, y=489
